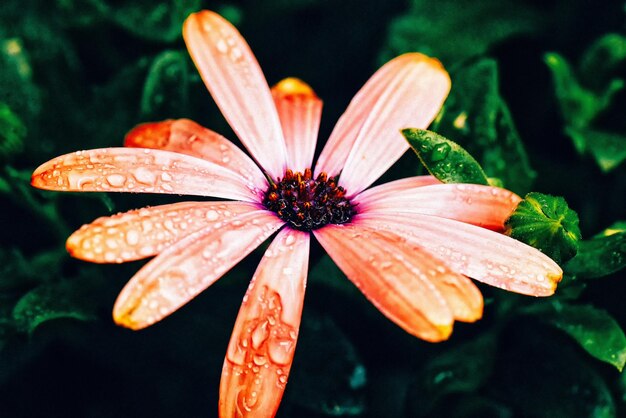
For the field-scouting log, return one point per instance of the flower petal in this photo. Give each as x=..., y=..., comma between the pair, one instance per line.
x=146, y=232
x=479, y=253
x=187, y=137
x=141, y=171
x=236, y=82
x=188, y=267
x=300, y=111
x=377, y=265
x=480, y=205
x=263, y=342
x=408, y=91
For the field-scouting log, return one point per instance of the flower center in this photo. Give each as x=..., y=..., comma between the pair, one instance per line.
x=308, y=203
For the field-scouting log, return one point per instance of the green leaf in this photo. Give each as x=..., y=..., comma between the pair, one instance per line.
x=51, y=301
x=594, y=329
x=444, y=159
x=329, y=377
x=600, y=256
x=165, y=92
x=546, y=223
x=440, y=28
x=607, y=148
x=477, y=117
x=451, y=372
x=601, y=59
x=12, y=133
x=17, y=87
x=156, y=21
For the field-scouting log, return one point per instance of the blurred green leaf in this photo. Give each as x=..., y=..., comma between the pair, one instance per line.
x=51, y=301
x=444, y=159
x=328, y=377
x=451, y=372
x=601, y=59
x=594, y=329
x=600, y=256
x=454, y=30
x=12, y=133
x=607, y=148
x=157, y=21
x=477, y=117
x=616, y=227
x=546, y=223
x=165, y=92
x=17, y=88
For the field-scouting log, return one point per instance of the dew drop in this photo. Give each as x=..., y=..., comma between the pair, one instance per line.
x=221, y=46
x=116, y=180
x=212, y=215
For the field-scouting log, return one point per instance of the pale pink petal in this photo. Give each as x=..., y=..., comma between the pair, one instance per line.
x=406, y=92
x=236, y=82
x=386, y=190
x=300, y=111
x=263, y=342
x=484, y=206
x=188, y=267
x=141, y=171
x=146, y=232
x=479, y=253
x=413, y=97
x=187, y=137
x=375, y=263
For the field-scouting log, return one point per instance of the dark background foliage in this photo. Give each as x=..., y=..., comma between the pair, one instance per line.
x=78, y=74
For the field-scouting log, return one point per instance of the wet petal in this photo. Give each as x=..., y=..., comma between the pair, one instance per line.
x=484, y=206
x=236, y=82
x=300, y=111
x=188, y=267
x=187, y=137
x=396, y=286
x=406, y=92
x=141, y=171
x=479, y=253
x=263, y=342
x=146, y=232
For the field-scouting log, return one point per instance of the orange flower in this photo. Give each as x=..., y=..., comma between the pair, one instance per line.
x=408, y=245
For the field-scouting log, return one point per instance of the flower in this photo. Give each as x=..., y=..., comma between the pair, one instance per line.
x=408, y=245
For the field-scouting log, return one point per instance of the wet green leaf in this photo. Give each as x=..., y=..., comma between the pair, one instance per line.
x=594, y=329
x=437, y=28
x=601, y=255
x=329, y=378
x=12, y=133
x=52, y=301
x=165, y=92
x=444, y=159
x=546, y=223
x=478, y=119
x=449, y=373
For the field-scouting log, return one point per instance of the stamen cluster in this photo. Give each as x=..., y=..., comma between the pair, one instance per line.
x=308, y=203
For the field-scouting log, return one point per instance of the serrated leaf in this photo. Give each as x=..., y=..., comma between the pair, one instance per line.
x=546, y=223
x=594, y=329
x=12, y=133
x=440, y=27
x=478, y=119
x=600, y=256
x=48, y=302
x=443, y=158
x=165, y=92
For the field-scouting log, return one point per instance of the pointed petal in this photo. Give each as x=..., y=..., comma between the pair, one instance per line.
x=187, y=137
x=300, y=112
x=408, y=91
x=374, y=262
x=476, y=204
x=263, y=342
x=479, y=253
x=146, y=232
x=413, y=97
x=236, y=82
x=141, y=171
x=188, y=267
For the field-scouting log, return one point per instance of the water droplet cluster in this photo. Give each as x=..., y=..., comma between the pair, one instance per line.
x=308, y=203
